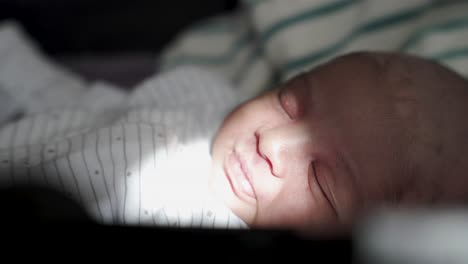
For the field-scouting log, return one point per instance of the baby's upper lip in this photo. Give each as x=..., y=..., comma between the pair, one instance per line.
x=250, y=158
x=244, y=166
x=239, y=174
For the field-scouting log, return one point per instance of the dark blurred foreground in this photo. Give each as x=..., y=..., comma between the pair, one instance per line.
x=45, y=218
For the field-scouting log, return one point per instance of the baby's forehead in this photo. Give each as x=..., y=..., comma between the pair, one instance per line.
x=389, y=71
x=393, y=65
x=380, y=77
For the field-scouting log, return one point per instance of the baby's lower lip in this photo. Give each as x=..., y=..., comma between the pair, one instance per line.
x=237, y=177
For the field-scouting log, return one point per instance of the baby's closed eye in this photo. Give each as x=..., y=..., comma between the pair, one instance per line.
x=295, y=97
x=289, y=103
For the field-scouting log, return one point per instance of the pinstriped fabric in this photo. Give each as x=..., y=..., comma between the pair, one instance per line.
x=116, y=154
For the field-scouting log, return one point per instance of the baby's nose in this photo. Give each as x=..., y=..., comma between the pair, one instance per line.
x=286, y=148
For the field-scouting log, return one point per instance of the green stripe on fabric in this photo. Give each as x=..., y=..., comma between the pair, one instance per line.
x=393, y=19
x=229, y=56
x=313, y=13
x=254, y=3
x=378, y=24
x=221, y=24
x=211, y=28
x=310, y=58
x=236, y=47
x=445, y=26
x=251, y=60
x=451, y=54
x=307, y=15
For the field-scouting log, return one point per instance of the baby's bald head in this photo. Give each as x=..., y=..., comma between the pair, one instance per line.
x=427, y=103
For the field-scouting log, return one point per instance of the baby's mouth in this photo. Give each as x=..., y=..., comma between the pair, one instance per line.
x=238, y=176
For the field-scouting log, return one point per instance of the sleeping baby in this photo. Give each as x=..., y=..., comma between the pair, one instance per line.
x=362, y=131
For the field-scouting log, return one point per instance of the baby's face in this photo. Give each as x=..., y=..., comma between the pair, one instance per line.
x=314, y=152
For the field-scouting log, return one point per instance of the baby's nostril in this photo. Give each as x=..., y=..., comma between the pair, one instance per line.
x=257, y=145
x=269, y=163
x=260, y=153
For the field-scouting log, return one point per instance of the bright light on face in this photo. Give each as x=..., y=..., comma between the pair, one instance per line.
x=179, y=175
x=175, y=186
